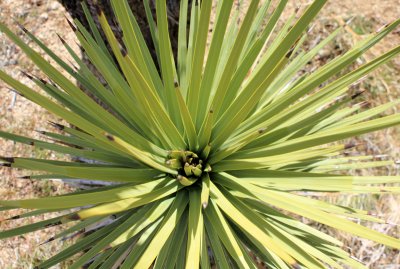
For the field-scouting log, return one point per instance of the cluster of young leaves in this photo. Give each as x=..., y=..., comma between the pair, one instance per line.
x=264, y=133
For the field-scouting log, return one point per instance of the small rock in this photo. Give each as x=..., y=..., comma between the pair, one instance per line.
x=324, y=53
x=53, y=6
x=44, y=16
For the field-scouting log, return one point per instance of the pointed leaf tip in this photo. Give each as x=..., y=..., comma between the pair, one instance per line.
x=53, y=224
x=47, y=241
x=22, y=27
x=350, y=145
x=290, y=52
x=354, y=96
x=13, y=218
x=26, y=74
x=71, y=24
x=25, y=177
x=383, y=27
x=61, y=39
x=57, y=125
x=7, y=159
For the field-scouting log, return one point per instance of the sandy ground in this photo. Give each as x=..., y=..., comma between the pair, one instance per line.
x=17, y=115
x=45, y=18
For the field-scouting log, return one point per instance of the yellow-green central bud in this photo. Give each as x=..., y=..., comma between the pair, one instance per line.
x=188, y=164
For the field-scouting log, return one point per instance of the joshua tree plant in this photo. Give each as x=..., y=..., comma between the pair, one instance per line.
x=214, y=155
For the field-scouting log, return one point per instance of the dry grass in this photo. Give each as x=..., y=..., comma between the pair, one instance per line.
x=45, y=17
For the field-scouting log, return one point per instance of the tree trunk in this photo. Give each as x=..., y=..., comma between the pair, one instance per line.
x=75, y=9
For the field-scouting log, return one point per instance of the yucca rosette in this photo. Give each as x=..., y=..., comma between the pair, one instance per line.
x=211, y=155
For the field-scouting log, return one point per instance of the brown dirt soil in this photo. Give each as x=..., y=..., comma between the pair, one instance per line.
x=17, y=115
x=46, y=17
